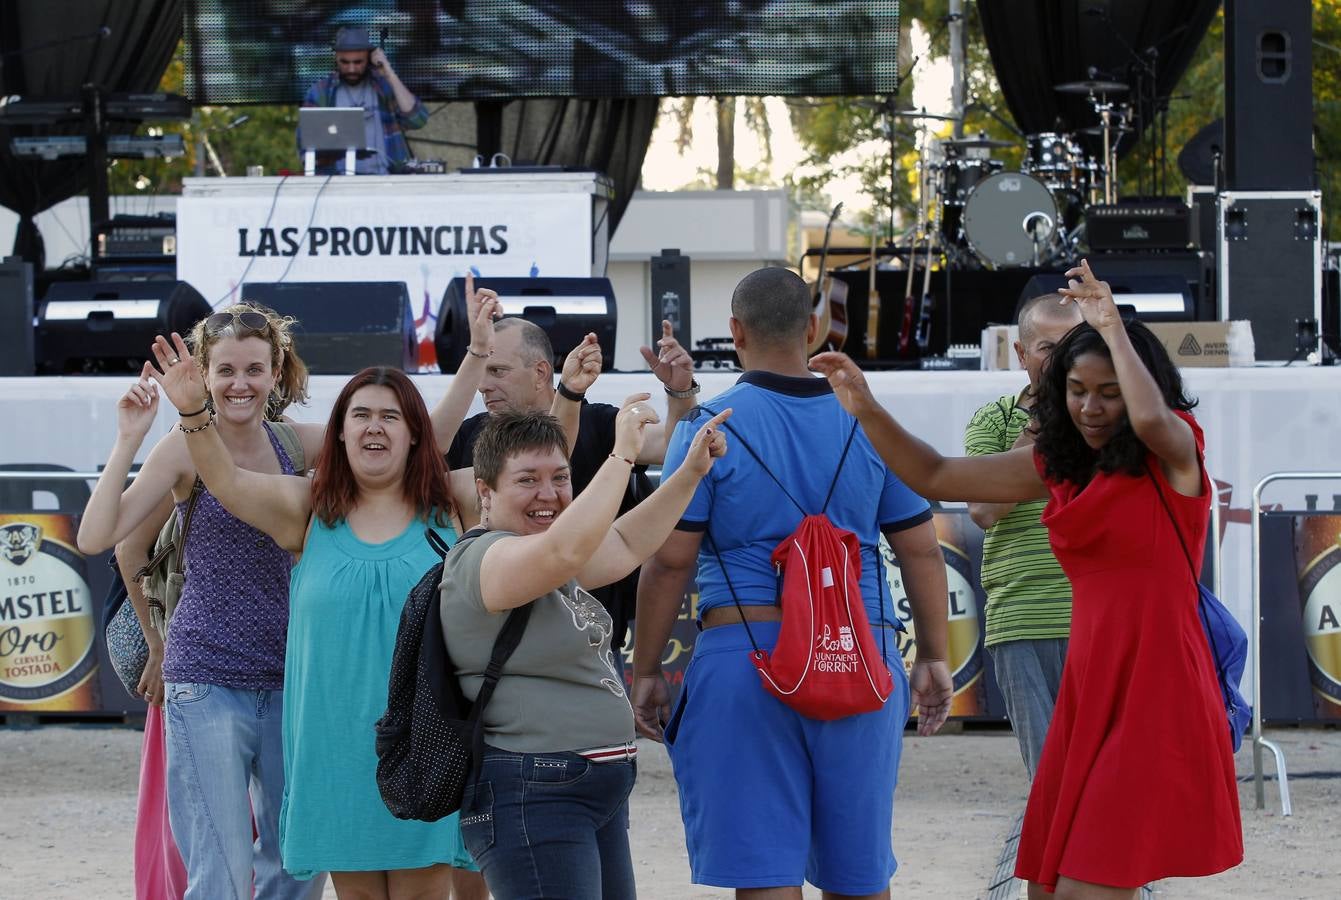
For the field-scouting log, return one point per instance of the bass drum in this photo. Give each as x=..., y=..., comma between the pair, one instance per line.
x=1009, y=220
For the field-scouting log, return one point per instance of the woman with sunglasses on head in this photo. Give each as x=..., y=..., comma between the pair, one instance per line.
x=222, y=670
x=225, y=658
x=358, y=530
x=1136, y=780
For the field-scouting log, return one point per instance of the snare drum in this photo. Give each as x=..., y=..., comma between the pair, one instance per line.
x=1010, y=219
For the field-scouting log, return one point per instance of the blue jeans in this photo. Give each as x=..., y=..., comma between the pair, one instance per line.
x=551, y=826
x=1029, y=674
x=226, y=766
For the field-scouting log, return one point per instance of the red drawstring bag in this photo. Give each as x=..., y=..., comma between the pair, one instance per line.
x=825, y=664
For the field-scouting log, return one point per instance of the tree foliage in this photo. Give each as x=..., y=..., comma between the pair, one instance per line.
x=265, y=138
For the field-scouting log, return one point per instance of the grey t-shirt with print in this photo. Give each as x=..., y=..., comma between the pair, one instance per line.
x=559, y=690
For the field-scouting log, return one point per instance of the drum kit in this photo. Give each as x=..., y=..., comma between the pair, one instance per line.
x=992, y=217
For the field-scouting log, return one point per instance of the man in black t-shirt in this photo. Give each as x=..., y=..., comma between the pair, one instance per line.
x=520, y=375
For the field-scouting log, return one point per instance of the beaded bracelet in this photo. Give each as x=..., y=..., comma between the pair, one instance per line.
x=206, y=424
x=478, y=355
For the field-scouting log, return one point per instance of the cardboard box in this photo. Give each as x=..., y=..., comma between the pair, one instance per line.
x=998, y=348
x=1207, y=344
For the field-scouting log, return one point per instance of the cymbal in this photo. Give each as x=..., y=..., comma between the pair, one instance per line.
x=1091, y=87
x=979, y=141
x=1099, y=130
x=923, y=114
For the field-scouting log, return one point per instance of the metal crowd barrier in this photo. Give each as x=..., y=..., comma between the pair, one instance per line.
x=1255, y=643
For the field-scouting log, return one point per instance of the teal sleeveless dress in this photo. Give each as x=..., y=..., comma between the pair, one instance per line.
x=345, y=602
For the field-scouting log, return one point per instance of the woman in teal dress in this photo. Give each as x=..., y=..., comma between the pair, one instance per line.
x=359, y=530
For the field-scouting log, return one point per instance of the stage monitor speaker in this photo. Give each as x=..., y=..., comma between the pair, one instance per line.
x=17, y=354
x=1155, y=298
x=566, y=308
x=344, y=326
x=670, y=296
x=1268, y=95
x=108, y=327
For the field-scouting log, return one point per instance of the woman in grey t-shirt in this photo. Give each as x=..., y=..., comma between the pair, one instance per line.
x=548, y=816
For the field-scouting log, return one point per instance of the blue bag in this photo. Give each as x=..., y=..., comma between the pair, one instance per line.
x=1226, y=637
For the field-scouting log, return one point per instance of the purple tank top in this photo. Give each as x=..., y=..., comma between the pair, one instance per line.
x=232, y=619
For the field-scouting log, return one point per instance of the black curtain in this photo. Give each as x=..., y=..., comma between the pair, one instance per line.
x=51, y=48
x=1038, y=45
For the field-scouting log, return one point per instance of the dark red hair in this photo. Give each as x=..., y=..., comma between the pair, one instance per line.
x=334, y=491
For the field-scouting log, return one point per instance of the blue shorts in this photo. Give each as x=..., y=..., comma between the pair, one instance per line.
x=771, y=798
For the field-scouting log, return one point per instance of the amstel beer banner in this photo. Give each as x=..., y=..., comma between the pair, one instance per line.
x=961, y=544
x=48, y=623
x=1317, y=549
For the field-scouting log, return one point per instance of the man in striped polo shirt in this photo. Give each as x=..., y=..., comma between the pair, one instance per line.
x=1028, y=596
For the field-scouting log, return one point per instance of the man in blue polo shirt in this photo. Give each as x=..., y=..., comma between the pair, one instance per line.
x=769, y=797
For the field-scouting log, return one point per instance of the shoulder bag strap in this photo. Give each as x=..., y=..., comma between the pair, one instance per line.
x=186, y=522
x=1196, y=585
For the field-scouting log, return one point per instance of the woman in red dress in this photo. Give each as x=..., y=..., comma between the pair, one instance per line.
x=1136, y=782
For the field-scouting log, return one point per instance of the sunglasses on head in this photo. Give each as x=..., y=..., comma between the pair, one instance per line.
x=250, y=321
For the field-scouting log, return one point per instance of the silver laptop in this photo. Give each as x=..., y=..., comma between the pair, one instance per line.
x=331, y=128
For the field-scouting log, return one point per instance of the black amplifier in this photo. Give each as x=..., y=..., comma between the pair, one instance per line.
x=1155, y=224
x=136, y=237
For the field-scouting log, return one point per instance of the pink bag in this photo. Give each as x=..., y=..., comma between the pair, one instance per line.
x=159, y=872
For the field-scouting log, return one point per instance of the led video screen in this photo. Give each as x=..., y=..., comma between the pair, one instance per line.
x=270, y=51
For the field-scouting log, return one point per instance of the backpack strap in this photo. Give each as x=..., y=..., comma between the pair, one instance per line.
x=509, y=638
x=292, y=443
x=832, y=484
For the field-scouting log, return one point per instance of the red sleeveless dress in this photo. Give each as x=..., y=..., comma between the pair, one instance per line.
x=1136, y=781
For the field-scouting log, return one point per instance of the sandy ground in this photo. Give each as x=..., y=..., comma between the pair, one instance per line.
x=69, y=807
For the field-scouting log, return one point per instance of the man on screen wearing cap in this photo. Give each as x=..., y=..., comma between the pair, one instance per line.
x=363, y=77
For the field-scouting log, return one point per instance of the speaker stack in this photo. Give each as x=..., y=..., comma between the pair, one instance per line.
x=1269, y=216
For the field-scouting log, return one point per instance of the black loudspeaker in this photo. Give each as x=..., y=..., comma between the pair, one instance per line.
x=108, y=327
x=1156, y=298
x=344, y=326
x=566, y=308
x=1268, y=95
x=670, y=296
x=17, y=355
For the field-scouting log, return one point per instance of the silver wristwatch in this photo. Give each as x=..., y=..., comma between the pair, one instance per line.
x=685, y=394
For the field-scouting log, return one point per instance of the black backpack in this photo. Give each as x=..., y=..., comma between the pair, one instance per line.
x=431, y=738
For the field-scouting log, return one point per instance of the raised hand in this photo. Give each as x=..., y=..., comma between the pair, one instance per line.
x=138, y=406
x=1093, y=296
x=583, y=365
x=848, y=382
x=631, y=425
x=670, y=363
x=482, y=308
x=708, y=444
x=377, y=59
x=651, y=704
x=178, y=374
x=932, y=690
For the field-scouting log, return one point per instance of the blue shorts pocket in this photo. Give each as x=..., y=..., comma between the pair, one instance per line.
x=672, y=729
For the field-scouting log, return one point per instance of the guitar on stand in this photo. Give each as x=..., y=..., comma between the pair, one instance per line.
x=830, y=303
x=910, y=303
x=872, y=308
x=927, y=303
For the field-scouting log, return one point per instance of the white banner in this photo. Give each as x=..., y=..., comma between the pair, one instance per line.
x=297, y=232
